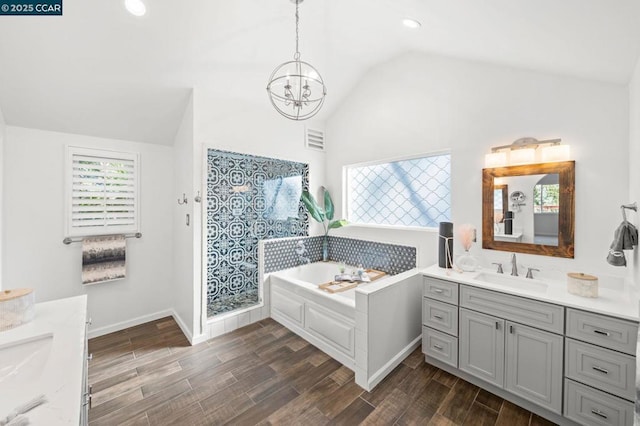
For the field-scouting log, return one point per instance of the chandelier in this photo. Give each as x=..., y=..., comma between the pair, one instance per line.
x=295, y=88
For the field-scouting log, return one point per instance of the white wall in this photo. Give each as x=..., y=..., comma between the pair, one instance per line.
x=186, y=294
x=34, y=255
x=634, y=159
x=420, y=103
x=2, y=157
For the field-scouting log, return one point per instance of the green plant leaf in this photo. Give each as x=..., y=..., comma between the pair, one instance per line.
x=328, y=205
x=338, y=224
x=312, y=207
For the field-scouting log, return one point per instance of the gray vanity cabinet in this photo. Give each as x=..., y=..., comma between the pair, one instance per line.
x=481, y=346
x=581, y=374
x=533, y=369
x=523, y=360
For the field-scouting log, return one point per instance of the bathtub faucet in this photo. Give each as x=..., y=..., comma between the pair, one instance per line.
x=300, y=251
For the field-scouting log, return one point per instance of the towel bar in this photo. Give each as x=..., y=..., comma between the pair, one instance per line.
x=68, y=240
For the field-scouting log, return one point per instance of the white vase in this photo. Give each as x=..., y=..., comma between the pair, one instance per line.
x=467, y=262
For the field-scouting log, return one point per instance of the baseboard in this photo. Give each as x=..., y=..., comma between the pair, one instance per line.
x=129, y=323
x=194, y=340
x=379, y=375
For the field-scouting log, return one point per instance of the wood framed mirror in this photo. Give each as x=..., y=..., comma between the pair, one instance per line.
x=541, y=200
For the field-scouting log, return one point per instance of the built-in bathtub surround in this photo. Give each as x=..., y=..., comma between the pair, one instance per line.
x=281, y=254
x=249, y=199
x=354, y=326
x=390, y=258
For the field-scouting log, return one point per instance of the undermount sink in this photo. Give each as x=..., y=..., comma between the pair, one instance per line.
x=513, y=282
x=23, y=361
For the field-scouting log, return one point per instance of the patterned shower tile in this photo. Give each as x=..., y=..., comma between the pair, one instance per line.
x=249, y=198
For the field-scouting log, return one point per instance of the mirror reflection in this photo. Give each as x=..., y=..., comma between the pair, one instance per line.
x=529, y=208
x=526, y=209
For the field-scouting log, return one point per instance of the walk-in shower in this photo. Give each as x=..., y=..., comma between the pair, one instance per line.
x=248, y=198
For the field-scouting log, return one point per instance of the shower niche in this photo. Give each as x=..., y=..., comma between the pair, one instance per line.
x=248, y=199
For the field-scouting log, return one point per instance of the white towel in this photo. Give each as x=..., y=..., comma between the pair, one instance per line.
x=103, y=259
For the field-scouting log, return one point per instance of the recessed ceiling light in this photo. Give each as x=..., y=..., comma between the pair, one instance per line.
x=135, y=7
x=411, y=23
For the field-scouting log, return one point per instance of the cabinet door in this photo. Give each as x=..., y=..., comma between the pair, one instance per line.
x=481, y=346
x=534, y=365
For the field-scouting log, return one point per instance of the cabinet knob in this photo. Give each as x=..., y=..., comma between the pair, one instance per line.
x=511, y=329
x=497, y=325
x=438, y=290
x=90, y=357
x=602, y=333
x=440, y=317
x=438, y=347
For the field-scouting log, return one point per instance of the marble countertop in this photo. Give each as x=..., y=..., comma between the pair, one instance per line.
x=61, y=379
x=616, y=297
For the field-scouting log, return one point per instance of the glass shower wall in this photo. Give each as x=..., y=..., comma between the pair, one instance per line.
x=249, y=198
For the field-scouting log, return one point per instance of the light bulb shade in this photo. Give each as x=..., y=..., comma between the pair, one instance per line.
x=495, y=159
x=552, y=153
x=522, y=156
x=296, y=90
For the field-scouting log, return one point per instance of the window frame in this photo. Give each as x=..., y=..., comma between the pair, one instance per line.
x=69, y=229
x=542, y=204
x=345, y=190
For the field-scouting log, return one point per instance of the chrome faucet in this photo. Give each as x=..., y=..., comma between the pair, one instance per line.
x=530, y=272
x=514, y=265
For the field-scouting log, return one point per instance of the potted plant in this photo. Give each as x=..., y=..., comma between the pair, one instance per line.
x=323, y=216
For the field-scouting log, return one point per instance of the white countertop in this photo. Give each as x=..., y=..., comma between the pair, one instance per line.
x=619, y=300
x=61, y=380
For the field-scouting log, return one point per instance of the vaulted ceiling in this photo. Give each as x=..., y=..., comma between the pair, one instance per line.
x=100, y=71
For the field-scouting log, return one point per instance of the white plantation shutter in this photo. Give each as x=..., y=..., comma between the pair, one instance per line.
x=102, y=188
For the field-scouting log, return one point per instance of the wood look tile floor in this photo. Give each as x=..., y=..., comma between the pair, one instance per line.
x=264, y=374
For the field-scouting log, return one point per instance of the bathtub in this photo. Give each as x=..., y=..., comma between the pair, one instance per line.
x=369, y=329
x=313, y=274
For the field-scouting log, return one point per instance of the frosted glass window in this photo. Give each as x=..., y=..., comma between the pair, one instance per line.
x=413, y=192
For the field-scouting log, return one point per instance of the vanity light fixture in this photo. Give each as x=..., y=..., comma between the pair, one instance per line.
x=523, y=151
x=552, y=153
x=135, y=7
x=496, y=159
x=411, y=23
x=522, y=156
x=295, y=88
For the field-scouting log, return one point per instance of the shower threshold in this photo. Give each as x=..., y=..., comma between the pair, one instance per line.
x=232, y=303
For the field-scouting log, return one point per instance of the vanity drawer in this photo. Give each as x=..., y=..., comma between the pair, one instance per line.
x=610, y=371
x=440, y=346
x=588, y=406
x=518, y=309
x=444, y=291
x=441, y=316
x=609, y=332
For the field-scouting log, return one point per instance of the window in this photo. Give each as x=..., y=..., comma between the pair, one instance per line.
x=411, y=192
x=546, y=198
x=102, y=192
